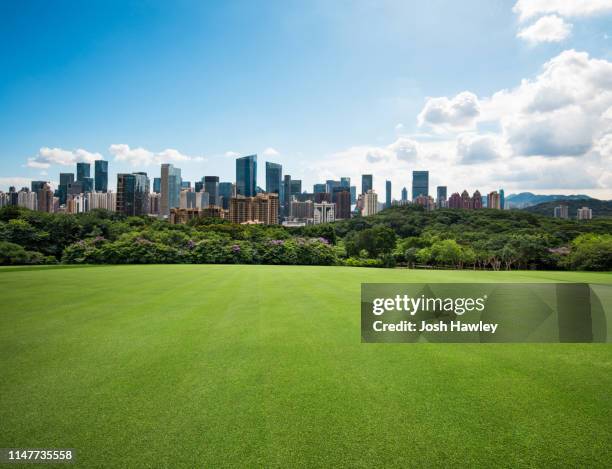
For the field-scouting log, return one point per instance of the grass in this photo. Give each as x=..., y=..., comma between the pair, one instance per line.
x=212, y=366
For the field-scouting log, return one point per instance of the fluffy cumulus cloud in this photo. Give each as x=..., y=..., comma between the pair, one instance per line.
x=143, y=157
x=442, y=113
x=527, y=9
x=552, y=132
x=58, y=156
x=551, y=28
x=477, y=148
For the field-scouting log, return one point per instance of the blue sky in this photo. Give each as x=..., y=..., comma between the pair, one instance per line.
x=327, y=88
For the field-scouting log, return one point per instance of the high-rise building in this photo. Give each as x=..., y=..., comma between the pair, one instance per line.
x=101, y=174
x=425, y=201
x=324, y=212
x=584, y=213
x=353, y=190
x=263, y=208
x=370, y=203
x=387, y=194
x=494, y=200
x=302, y=210
x=345, y=182
x=66, y=179
x=296, y=187
x=44, y=198
x=87, y=184
x=561, y=211
x=420, y=183
x=330, y=185
x=100, y=200
x=319, y=189
x=366, y=183
x=83, y=170
x=476, y=200
x=227, y=190
x=274, y=178
x=246, y=175
x=441, y=197
x=185, y=184
x=154, y=202
x=37, y=186
x=286, y=203
x=211, y=185
x=202, y=199
x=187, y=199
x=170, y=188
x=466, y=200
x=133, y=194
x=342, y=198
x=404, y=194
x=455, y=201
x=502, y=199
x=157, y=185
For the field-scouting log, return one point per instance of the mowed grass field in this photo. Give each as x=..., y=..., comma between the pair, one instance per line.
x=262, y=366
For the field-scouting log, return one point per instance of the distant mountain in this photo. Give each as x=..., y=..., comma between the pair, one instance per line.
x=527, y=199
x=601, y=208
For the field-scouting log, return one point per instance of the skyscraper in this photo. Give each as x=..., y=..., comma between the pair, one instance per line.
x=502, y=199
x=170, y=188
x=157, y=185
x=211, y=185
x=227, y=190
x=345, y=182
x=318, y=189
x=404, y=194
x=88, y=184
x=101, y=174
x=366, y=183
x=353, y=190
x=65, y=180
x=296, y=186
x=441, y=196
x=370, y=203
x=133, y=194
x=388, y=194
x=83, y=171
x=274, y=178
x=246, y=175
x=420, y=183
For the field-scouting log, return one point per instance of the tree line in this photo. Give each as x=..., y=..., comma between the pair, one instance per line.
x=399, y=236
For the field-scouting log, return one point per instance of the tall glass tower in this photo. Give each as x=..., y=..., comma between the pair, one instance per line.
x=388, y=194
x=246, y=176
x=420, y=183
x=366, y=183
x=83, y=171
x=101, y=174
x=211, y=185
x=274, y=178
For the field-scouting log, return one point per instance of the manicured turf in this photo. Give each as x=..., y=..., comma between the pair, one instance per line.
x=208, y=366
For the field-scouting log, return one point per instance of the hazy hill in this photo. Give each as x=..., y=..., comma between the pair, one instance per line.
x=601, y=208
x=526, y=199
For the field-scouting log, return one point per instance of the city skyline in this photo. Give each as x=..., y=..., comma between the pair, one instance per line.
x=528, y=110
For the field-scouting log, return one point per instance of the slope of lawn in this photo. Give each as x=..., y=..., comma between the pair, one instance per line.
x=262, y=366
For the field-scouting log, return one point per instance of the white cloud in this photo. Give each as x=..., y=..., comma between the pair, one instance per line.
x=442, y=113
x=143, y=157
x=477, y=148
x=551, y=28
x=405, y=149
x=232, y=154
x=48, y=156
x=16, y=181
x=527, y=9
x=270, y=152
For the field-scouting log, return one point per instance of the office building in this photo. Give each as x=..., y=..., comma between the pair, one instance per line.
x=157, y=185
x=246, y=176
x=87, y=184
x=404, y=195
x=502, y=199
x=366, y=183
x=202, y=200
x=561, y=211
x=420, y=183
x=83, y=170
x=44, y=198
x=211, y=185
x=187, y=199
x=66, y=179
x=227, y=190
x=154, y=203
x=37, y=186
x=441, y=197
x=324, y=212
x=387, y=194
x=370, y=203
x=101, y=175
x=319, y=189
x=584, y=213
x=274, y=178
x=353, y=190
x=133, y=194
x=170, y=188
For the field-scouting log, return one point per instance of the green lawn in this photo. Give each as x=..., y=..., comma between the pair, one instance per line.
x=209, y=366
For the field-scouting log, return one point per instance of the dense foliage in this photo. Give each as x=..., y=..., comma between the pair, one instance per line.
x=409, y=236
